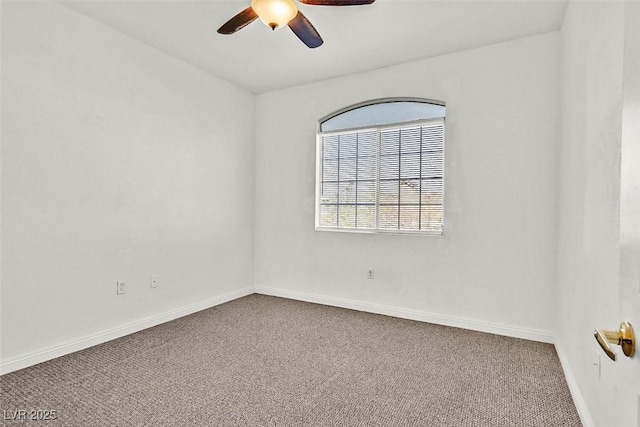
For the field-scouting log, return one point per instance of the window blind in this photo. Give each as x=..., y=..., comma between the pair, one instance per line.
x=388, y=179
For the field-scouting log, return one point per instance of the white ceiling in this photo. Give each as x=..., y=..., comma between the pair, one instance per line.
x=356, y=39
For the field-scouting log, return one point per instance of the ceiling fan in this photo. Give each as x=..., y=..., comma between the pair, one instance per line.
x=278, y=13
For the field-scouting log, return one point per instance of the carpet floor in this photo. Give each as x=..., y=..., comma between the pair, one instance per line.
x=266, y=361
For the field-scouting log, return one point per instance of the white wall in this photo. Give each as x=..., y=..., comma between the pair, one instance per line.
x=494, y=267
x=589, y=197
x=118, y=162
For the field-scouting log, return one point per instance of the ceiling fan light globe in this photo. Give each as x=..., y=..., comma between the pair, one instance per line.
x=274, y=13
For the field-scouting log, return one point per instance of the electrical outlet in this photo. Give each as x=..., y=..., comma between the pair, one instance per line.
x=370, y=274
x=154, y=281
x=120, y=289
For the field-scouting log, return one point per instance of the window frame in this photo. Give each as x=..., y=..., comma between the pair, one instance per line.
x=378, y=129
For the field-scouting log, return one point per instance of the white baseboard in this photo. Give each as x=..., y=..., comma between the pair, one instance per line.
x=422, y=316
x=120, y=331
x=108, y=335
x=578, y=400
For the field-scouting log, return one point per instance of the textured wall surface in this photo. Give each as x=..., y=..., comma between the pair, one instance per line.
x=495, y=262
x=118, y=162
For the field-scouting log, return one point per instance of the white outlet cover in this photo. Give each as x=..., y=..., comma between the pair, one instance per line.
x=120, y=288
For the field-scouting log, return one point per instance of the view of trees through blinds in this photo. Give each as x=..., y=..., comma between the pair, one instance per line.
x=384, y=179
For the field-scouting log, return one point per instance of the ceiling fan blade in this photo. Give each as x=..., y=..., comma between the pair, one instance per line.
x=337, y=2
x=305, y=31
x=238, y=22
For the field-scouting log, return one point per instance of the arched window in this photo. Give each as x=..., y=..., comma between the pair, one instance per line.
x=381, y=167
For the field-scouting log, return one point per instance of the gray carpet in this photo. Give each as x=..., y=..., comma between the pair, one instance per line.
x=265, y=361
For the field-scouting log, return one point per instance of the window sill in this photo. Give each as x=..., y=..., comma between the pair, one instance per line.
x=382, y=232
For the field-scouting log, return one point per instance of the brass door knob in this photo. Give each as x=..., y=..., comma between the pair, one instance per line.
x=624, y=337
